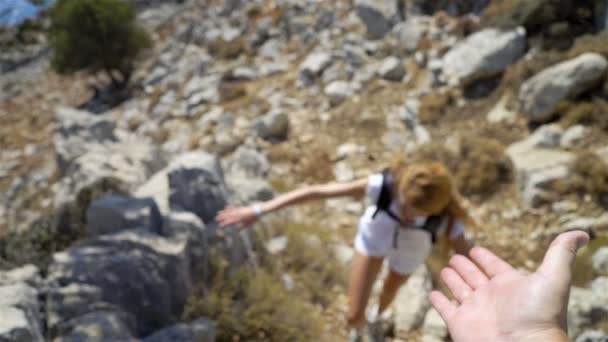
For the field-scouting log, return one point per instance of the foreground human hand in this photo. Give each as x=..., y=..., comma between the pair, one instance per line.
x=495, y=302
x=243, y=216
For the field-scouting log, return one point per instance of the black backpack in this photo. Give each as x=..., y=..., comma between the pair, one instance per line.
x=384, y=201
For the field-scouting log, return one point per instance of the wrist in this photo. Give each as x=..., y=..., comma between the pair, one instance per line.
x=550, y=334
x=257, y=209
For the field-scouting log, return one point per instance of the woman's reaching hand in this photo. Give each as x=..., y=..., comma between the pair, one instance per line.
x=242, y=216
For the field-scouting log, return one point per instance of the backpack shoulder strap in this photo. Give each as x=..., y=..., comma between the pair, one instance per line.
x=432, y=225
x=386, y=195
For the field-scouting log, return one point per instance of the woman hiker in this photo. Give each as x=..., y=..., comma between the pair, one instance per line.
x=410, y=205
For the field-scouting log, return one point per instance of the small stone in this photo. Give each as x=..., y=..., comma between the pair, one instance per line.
x=288, y=281
x=277, y=245
x=313, y=66
x=344, y=253
x=338, y=91
x=392, y=69
x=563, y=207
x=600, y=261
x=273, y=126
x=572, y=136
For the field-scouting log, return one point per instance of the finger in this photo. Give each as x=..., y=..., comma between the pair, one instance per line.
x=471, y=274
x=443, y=305
x=490, y=264
x=459, y=288
x=560, y=256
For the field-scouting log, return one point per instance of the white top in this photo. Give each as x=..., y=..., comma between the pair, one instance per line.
x=374, y=187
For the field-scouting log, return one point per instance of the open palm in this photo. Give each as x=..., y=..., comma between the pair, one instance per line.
x=495, y=302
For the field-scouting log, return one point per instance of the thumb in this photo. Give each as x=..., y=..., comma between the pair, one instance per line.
x=559, y=259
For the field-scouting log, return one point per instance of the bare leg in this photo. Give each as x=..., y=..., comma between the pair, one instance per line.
x=363, y=274
x=391, y=284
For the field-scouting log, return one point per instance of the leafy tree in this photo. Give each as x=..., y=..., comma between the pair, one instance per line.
x=96, y=35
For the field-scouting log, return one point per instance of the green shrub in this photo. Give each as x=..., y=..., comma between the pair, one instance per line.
x=57, y=231
x=96, y=35
x=254, y=304
x=589, y=176
x=35, y=246
x=531, y=14
x=589, y=113
x=597, y=43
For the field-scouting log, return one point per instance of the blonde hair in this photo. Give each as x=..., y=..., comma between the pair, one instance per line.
x=428, y=186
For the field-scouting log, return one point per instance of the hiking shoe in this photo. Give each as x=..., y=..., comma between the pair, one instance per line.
x=375, y=331
x=355, y=335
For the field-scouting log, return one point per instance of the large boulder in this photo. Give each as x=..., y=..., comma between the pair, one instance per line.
x=483, y=54
x=201, y=330
x=20, y=314
x=112, y=214
x=192, y=182
x=144, y=275
x=197, y=185
x=539, y=95
x=114, y=169
x=538, y=170
x=379, y=16
x=77, y=131
x=411, y=303
x=190, y=228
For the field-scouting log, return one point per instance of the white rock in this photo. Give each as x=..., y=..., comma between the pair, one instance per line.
x=434, y=326
x=338, y=91
x=500, y=112
x=379, y=16
x=392, y=69
x=410, y=32
x=563, y=207
x=547, y=136
x=343, y=172
x=20, y=313
x=539, y=95
x=600, y=261
x=483, y=54
x=274, y=125
x=537, y=169
x=344, y=253
x=313, y=66
x=572, y=136
x=28, y=274
x=411, y=302
x=277, y=244
x=586, y=307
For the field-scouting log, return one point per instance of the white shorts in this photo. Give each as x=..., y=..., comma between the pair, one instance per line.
x=376, y=240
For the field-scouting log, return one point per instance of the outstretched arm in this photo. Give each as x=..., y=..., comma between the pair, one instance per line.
x=247, y=215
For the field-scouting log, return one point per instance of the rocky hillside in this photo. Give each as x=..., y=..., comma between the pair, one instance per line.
x=107, y=202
